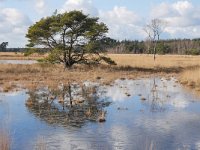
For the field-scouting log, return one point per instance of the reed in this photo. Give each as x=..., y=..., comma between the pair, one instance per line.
x=191, y=78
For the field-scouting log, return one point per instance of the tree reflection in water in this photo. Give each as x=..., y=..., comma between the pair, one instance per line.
x=70, y=104
x=157, y=104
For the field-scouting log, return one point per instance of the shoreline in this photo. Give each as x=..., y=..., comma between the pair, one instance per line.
x=129, y=66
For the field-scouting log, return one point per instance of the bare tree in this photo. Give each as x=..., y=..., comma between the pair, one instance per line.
x=154, y=30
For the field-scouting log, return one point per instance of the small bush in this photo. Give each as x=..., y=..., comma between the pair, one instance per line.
x=193, y=52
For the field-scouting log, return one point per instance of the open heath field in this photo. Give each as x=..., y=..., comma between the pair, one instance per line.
x=133, y=60
x=162, y=61
x=186, y=68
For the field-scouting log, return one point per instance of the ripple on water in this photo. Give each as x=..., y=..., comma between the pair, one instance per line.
x=168, y=118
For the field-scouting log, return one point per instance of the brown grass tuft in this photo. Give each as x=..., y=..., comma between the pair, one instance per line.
x=191, y=78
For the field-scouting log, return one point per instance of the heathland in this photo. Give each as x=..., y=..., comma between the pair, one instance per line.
x=185, y=68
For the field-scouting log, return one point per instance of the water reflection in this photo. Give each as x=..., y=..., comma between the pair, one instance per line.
x=160, y=114
x=157, y=104
x=156, y=94
x=70, y=104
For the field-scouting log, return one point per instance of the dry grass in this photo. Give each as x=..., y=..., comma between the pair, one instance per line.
x=186, y=67
x=191, y=78
x=162, y=61
x=129, y=66
x=36, y=75
x=5, y=141
x=133, y=60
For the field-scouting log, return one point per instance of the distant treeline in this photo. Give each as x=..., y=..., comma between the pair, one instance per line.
x=175, y=46
x=13, y=50
x=172, y=46
x=24, y=50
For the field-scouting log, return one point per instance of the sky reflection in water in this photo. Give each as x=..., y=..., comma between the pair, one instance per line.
x=168, y=118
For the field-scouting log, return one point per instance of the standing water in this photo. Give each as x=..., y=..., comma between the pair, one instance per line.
x=18, y=61
x=140, y=114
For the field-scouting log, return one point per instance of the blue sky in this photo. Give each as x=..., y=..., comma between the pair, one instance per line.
x=125, y=18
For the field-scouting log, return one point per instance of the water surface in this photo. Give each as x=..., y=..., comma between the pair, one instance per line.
x=140, y=114
x=18, y=61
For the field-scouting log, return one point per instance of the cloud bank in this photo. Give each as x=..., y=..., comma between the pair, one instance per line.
x=13, y=26
x=181, y=17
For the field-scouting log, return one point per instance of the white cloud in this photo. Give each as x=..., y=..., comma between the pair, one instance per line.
x=40, y=6
x=83, y=5
x=122, y=23
x=182, y=18
x=183, y=7
x=13, y=26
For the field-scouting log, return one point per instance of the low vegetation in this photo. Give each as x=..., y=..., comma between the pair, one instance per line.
x=162, y=61
x=52, y=75
x=185, y=68
x=191, y=78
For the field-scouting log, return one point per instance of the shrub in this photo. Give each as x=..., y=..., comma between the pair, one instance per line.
x=193, y=52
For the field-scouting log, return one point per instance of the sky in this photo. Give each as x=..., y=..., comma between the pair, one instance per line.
x=125, y=18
